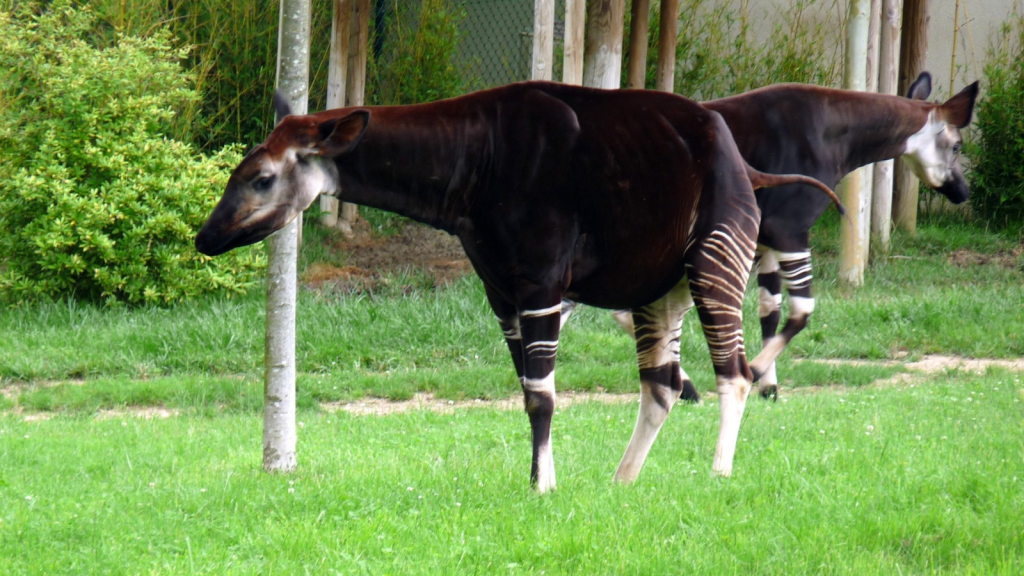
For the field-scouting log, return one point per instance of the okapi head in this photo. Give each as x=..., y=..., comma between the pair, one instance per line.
x=933, y=153
x=280, y=178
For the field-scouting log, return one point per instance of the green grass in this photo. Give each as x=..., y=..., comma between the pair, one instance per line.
x=928, y=479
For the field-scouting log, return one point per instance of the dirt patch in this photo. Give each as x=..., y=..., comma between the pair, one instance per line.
x=423, y=401
x=965, y=258
x=144, y=412
x=418, y=255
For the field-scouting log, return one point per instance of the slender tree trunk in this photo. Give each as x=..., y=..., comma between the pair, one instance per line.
x=853, y=230
x=279, y=433
x=602, y=65
x=667, y=34
x=543, y=39
x=888, y=59
x=337, y=72
x=639, y=26
x=572, y=54
x=913, y=54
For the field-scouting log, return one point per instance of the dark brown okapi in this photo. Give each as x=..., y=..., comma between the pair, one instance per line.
x=826, y=134
x=628, y=199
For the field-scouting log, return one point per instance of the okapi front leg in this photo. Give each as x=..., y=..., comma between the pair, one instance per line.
x=657, y=328
x=718, y=275
x=769, y=300
x=795, y=271
x=539, y=330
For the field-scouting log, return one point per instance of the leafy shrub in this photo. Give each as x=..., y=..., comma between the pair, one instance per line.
x=996, y=151
x=99, y=199
x=419, y=62
x=718, y=54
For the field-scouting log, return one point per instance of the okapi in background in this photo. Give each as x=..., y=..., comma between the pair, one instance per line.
x=826, y=134
x=618, y=199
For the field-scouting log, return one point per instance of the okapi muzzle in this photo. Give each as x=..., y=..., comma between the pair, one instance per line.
x=279, y=179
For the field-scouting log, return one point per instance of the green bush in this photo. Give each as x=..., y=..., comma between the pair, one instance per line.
x=100, y=200
x=996, y=150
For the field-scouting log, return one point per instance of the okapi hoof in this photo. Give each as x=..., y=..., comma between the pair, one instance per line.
x=769, y=392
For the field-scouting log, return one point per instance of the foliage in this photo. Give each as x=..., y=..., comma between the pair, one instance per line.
x=996, y=151
x=718, y=53
x=101, y=200
x=419, y=62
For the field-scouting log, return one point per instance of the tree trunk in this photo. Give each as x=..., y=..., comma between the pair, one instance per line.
x=853, y=230
x=279, y=433
x=337, y=74
x=602, y=64
x=888, y=60
x=666, y=74
x=913, y=54
x=572, y=54
x=543, y=39
x=639, y=26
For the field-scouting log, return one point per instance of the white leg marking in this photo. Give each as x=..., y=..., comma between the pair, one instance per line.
x=790, y=256
x=556, y=309
x=799, y=306
x=769, y=262
x=769, y=376
x=545, y=458
x=732, y=398
x=771, y=350
x=648, y=424
x=767, y=302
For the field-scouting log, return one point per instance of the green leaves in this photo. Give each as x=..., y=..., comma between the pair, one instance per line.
x=102, y=198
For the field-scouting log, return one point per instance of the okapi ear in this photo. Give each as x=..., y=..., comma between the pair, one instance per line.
x=340, y=135
x=281, y=106
x=958, y=109
x=921, y=88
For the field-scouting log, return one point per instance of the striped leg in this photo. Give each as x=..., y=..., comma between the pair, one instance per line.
x=718, y=273
x=625, y=320
x=539, y=328
x=769, y=298
x=795, y=271
x=661, y=378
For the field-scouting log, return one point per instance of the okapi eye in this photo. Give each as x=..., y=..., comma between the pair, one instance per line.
x=263, y=183
x=956, y=148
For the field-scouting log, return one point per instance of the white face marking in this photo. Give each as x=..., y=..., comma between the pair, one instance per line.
x=932, y=151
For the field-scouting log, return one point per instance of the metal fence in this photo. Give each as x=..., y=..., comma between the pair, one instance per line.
x=497, y=40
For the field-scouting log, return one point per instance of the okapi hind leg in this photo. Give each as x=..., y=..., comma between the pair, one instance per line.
x=625, y=320
x=539, y=327
x=769, y=300
x=657, y=328
x=718, y=272
x=795, y=272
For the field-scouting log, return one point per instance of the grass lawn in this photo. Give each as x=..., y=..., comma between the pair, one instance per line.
x=921, y=477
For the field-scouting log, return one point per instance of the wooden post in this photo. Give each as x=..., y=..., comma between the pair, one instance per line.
x=853, y=232
x=639, y=26
x=888, y=61
x=543, y=39
x=355, y=83
x=337, y=72
x=668, y=32
x=870, y=85
x=279, y=431
x=913, y=54
x=602, y=62
x=572, y=53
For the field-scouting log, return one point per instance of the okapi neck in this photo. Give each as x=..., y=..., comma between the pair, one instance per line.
x=418, y=161
x=875, y=127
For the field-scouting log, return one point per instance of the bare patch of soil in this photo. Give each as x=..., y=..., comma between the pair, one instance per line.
x=965, y=258
x=422, y=401
x=424, y=255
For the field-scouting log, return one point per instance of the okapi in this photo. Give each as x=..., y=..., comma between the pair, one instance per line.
x=618, y=199
x=826, y=134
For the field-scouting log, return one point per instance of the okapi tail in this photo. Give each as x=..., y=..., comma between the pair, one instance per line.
x=760, y=179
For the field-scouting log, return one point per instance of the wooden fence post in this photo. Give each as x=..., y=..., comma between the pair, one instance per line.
x=355, y=83
x=602, y=63
x=543, y=39
x=853, y=231
x=639, y=26
x=913, y=54
x=888, y=60
x=665, y=77
x=337, y=71
x=279, y=431
x=572, y=54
